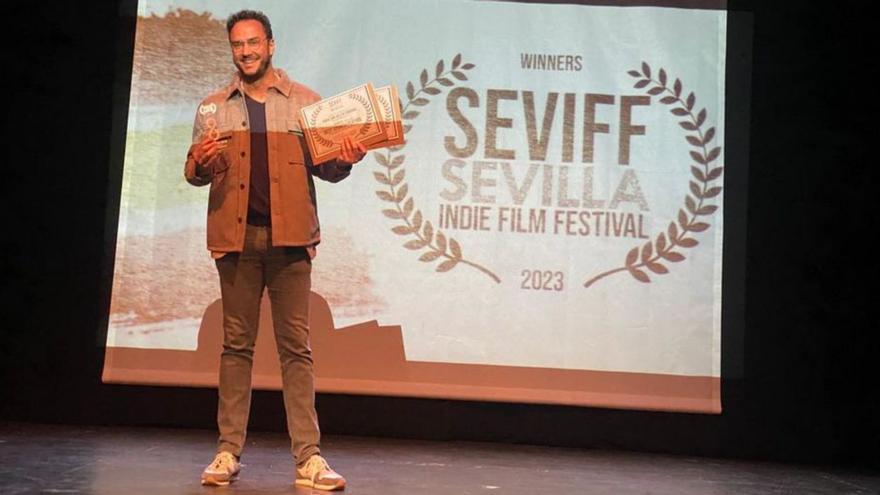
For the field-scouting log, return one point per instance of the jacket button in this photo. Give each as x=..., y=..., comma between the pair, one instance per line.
x=243, y=123
x=242, y=186
x=239, y=219
x=242, y=154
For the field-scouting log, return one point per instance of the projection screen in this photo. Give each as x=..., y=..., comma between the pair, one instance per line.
x=551, y=232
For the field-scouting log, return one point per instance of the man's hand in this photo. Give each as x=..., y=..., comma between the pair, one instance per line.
x=352, y=152
x=208, y=149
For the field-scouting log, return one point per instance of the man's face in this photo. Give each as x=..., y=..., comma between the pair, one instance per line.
x=251, y=51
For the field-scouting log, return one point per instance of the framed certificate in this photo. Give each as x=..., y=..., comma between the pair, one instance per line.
x=355, y=113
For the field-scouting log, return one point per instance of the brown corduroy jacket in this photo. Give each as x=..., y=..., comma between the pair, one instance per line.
x=294, y=216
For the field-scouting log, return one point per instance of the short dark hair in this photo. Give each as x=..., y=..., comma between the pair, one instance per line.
x=245, y=15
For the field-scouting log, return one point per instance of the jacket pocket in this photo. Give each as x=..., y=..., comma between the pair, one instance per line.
x=294, y=143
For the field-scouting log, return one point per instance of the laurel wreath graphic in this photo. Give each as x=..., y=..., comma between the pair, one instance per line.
x=422, y=234
x=664, y=248
x=386, y=109
x=314, y=131
x=365, y=127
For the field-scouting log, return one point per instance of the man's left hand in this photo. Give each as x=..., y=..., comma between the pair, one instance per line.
x=352, y=152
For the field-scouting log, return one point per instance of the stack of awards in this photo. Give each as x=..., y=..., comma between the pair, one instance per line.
x=366, y=115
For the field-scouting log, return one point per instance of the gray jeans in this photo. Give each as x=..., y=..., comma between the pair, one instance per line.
x=286, y=273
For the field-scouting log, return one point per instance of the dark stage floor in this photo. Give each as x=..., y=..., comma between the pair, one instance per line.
x=124, y=461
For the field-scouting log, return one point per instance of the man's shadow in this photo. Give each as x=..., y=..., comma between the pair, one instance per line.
x=364, y=350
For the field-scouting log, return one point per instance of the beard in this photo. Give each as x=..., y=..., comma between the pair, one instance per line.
x=260, y=72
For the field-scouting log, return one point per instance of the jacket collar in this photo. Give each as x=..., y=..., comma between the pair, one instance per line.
x=282, y=84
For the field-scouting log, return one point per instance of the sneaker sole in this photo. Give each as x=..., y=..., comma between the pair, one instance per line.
x=213, y=481
x=316, y=486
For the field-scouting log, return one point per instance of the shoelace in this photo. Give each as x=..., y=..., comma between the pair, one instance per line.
x=221, y=461
x=316, y=465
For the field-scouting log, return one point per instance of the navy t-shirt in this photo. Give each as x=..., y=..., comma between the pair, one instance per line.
x=259, y=207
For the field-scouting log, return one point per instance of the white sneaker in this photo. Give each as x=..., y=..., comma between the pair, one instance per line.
x=316, y=473
x=223, y=470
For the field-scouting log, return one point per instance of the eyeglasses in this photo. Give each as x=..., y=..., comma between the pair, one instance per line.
x=253, y=43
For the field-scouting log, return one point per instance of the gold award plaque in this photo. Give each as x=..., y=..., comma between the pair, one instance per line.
x=354, y=113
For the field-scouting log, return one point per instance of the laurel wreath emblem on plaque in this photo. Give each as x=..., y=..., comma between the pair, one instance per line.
x=362, y=130
x=423, y=236
x=666, y=247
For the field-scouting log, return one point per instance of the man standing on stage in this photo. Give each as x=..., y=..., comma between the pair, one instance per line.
x=262, y=232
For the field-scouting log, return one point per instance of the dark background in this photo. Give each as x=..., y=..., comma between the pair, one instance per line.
x=798, y=357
